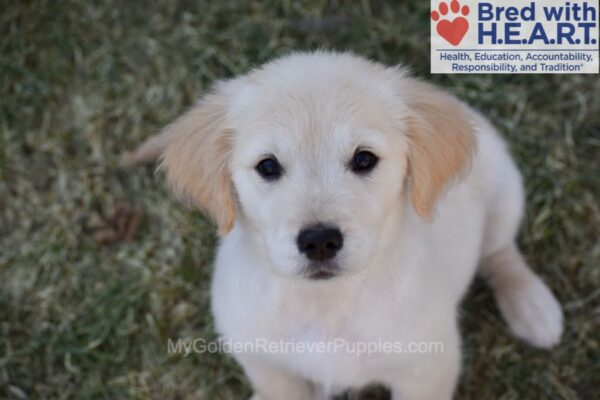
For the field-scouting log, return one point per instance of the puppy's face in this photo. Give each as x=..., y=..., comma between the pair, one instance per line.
x=312, y=164
x=313, y=157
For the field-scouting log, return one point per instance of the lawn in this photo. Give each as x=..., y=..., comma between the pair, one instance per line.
x=99, y=267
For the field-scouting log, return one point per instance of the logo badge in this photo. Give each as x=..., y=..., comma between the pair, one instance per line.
x=514, y=36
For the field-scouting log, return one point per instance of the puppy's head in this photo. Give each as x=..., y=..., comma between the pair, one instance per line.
x=315, y=155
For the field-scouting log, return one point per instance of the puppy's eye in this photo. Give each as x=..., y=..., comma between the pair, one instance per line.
x=363, y=162
x=269, y=169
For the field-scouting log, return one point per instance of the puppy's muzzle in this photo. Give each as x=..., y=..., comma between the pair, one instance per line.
x=319, y=243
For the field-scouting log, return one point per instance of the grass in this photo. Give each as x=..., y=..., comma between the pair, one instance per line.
x=98, y=266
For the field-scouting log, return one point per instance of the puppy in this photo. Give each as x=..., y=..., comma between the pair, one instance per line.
x=355, y=205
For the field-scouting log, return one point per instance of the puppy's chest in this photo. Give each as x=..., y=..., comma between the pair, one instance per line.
x=337, y=344
x=336, y=356
x=327, y=317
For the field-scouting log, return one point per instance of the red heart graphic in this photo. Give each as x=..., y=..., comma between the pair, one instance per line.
x=453, y=31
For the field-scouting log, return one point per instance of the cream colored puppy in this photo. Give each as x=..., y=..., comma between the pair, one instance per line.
x=355, y=204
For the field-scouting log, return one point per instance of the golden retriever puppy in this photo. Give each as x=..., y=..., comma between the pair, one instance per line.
x=355, y=204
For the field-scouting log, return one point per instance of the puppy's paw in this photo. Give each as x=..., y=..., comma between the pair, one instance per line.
x=532, y=312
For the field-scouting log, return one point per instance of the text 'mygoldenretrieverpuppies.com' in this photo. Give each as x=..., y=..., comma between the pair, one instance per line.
x=357, y=203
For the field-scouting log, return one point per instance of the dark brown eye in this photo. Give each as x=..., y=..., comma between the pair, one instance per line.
x=363, y=162
x=269, y=169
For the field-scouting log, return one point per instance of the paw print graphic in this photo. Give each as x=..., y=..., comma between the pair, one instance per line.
x=451, y=30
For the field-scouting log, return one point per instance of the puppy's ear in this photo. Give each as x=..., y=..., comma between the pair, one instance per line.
x=196, y=159
x=441, y=141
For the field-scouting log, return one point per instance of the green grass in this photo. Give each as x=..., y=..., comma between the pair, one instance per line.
x=86, y=315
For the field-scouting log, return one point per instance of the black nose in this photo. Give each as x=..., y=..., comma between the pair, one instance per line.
x=320, y=243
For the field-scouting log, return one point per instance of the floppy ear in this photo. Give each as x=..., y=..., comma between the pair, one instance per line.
x=441, y=142
x=196, y=158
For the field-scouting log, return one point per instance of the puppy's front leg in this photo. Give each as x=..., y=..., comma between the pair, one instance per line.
x=431, y=376
x=271, y=383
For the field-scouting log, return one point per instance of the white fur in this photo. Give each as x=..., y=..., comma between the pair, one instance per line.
x=403, y=275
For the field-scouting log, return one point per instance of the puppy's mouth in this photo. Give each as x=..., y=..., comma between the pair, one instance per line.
x=321, y=275
x=322, y=271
